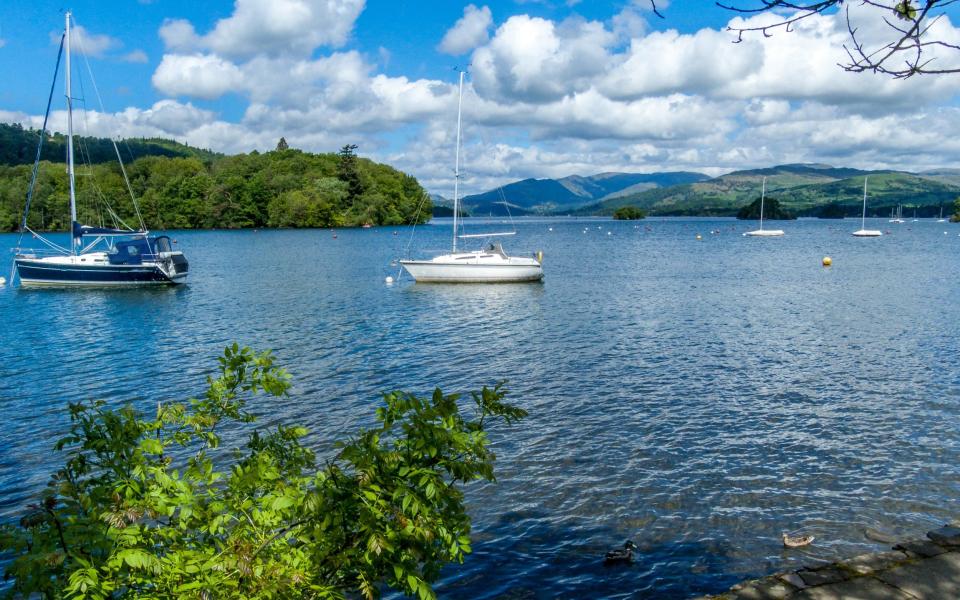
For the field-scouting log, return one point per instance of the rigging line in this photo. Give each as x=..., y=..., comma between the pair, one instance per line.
x=116, y=150
x=503, y=199
x=416, y=219
x=48, y=242
x=43, y=134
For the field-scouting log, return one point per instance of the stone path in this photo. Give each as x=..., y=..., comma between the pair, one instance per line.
x=925, y=569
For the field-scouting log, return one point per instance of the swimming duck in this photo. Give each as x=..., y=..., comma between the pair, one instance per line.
x=796, y=541
x=620, y=555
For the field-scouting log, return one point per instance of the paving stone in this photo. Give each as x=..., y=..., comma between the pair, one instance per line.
x=768, y=588
x=921, y=548
x=876, y=561
x=822, y=576
x=946, y=536
x=861, y=588
x=928, y=579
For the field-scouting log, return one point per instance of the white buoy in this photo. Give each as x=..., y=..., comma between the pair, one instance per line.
x=3, y=281
x=550, y=229
x=609, y=233
x=389, y=280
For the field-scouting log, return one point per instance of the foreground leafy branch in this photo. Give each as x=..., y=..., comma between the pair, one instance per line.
x=151, y=507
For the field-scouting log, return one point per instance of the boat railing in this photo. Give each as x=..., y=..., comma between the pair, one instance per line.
x=36, y=252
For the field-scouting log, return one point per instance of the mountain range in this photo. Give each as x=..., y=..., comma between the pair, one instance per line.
x=804, y=189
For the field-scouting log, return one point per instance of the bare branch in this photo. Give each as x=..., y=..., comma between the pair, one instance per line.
x=902, y=56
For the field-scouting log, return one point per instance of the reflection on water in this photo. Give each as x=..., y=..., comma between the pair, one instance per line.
x=697, y=397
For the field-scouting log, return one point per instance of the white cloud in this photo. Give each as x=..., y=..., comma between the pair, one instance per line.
x=135, y=56
x=273, y=27
x=468, y=32
x=531, y=59
x=179, y=35
x=199, y=75
x=93, y=45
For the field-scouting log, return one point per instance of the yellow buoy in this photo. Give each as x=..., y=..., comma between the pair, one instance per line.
x=539, y=256
x=827, y=261
x=698, y=237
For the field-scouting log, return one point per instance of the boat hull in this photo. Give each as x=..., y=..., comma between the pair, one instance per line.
x=43, y=273
x=434, y=272
x=867, y=233
x=764, y=233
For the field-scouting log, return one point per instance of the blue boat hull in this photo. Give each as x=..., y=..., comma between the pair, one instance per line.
x=36, y=273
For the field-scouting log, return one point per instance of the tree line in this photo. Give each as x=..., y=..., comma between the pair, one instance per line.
x=282, y=188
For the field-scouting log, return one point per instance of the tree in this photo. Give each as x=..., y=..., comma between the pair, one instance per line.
x=629, y=213
x=910, y=47
x=956, y=215
x=771, y=210
x=282, y=145
x=348, y=173
x=151, y=506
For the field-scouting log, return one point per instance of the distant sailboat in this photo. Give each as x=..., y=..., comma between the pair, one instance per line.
x=896, y=217
x=490, y=265
x=863, y=231
x=941, y=219
x=761, y=232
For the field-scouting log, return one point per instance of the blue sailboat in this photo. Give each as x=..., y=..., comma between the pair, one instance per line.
x=97, y=255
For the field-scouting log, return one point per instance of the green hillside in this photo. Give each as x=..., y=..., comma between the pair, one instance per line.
x=801, y=189
x=18, y=146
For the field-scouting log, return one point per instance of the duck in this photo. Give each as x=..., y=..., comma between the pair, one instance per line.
x=619, y=556
x=796, y=541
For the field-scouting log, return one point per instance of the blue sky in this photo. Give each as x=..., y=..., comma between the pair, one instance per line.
x=555, y=88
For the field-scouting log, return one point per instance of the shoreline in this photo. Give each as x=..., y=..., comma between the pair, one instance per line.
x=917, y=569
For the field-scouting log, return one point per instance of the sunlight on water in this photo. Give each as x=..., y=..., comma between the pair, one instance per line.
x=697, y=397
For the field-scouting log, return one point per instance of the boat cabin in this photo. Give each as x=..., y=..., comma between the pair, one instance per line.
x=135, y=251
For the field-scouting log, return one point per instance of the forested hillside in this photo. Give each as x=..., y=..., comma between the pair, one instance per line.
x=18, y=146
x=284, y=188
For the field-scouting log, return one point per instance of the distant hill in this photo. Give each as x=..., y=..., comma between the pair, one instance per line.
x=802, y=189
x=18, y=146
x=557, y=196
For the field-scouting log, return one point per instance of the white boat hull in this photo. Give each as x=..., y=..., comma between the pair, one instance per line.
x=474, y=267
x=867, y=233
x=764, y=233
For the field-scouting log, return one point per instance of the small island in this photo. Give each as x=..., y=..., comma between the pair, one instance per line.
x=629, y=213
x=771, y=211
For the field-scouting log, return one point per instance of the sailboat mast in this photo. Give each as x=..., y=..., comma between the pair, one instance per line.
x=763, y=193
x=456, y=168
x=863, y=219
x=73, y=196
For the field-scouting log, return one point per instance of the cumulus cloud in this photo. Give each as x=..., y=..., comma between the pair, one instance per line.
x=468, y=32
x=204, y=76
x=273, y=27
x=531, y=59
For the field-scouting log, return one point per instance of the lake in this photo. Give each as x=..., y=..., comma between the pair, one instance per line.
x=697, y=397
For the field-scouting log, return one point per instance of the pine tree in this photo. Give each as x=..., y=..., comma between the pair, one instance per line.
x=282, y=145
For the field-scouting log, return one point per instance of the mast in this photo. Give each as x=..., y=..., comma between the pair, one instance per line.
x=73, y=196
x=763, y=192
x=863, y=219
x=456, y=169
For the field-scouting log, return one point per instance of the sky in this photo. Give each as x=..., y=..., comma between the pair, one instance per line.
x=553, y=87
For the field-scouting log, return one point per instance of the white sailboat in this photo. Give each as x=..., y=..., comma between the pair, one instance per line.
x=490, y=265
x=763, y=232
x=863, y=231
x=941, y=219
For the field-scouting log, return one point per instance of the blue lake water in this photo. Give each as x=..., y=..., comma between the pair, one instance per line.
x=697, y=397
